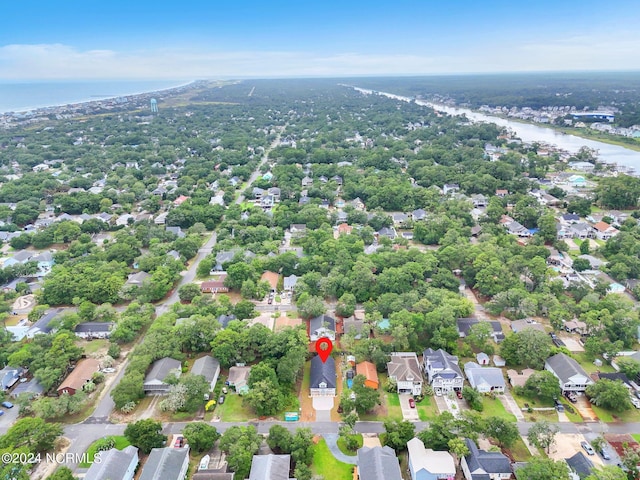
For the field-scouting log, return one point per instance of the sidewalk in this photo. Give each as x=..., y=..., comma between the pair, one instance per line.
x=332, y=443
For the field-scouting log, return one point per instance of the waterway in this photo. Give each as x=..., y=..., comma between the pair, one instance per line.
x=534, y=133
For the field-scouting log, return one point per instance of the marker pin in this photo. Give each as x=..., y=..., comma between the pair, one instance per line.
x=324, y=347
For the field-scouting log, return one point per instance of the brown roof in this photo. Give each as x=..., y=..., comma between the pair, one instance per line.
x=602, y=226
x=272, y=278
x=367, y=369
x=212, y=284
x=344, y=228
x=81, y=374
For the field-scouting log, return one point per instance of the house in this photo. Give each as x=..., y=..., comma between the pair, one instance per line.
x=272, y=279
x=45, y=262
x=595, y=263
x=114, y=463
x=136, y=279
x=582, y=230
x=93, y=329
x=81, y=374
x=160, y=369
x=42, y=325
x=579, y=466
x=569, y=218
x=257, y=193
x=238, y=378
x=344, y=229
x=307, y=182
x=9, y=376
x=275, y=193
x=180, y=200
x=177, y=231
x=479, y=200
x=23, y=256
x=370, y=373
x=358, y=204
x=405, y=370
x=484, y=379
x=298, y=230
x=418, y=214
x=267, y=201
x=604, y=231
x=224, y=320
x=502, y=193
x=427, y=464
x=576, y=326
x=399, y=218
x=464, y=326
x=388, y=232
x=519, y=379
x=516, y=228
x=32, y=389
x=209, y=368
x=570, y=374
x=450, y=188
x=166, y=464
x=323, y=377
x=520, y=325
x=354, y=325
x=213, y=474
x=270, y=467
x=378, y=463
x=289, y=283
x=483, y=465
x=442, y=370
x=577, y=181
x=322, y=326
x=214, y=286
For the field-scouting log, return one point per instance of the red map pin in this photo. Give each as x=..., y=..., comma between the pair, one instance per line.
x=324, y=347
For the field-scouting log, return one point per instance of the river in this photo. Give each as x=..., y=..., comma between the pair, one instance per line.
x=534, y=133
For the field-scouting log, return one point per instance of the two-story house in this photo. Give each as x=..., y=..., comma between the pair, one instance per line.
x=442, y=371
x=569, y=373
x=483, y=465
x=405, y=370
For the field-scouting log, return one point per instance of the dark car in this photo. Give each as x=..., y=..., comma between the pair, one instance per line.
x=179, y=442
x=559, y=406
x=412, y=403
x=221, y=400
x=1, y=413
x=571, y=396
x=459, y=393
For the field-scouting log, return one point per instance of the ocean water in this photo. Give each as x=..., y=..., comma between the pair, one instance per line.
x=20, y=97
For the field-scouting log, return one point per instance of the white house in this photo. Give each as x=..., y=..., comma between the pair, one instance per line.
x=484, y=379
x=442, y=370
x=570, y=374
x=405, y=370
x=427, y=464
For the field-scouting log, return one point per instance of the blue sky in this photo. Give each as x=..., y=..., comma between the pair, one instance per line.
x=45, y=39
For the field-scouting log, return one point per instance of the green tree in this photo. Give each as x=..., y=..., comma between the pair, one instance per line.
x=32, y=433
x=607, y=472
x=479, y=335
x=542, y=434
x=398, y=434
x=538, y=468
x=302, y=446
x=609, y=394
x=145, y=434
x=528, y=347
x=459, y=448
x=502, y=431
x=240, y=444
x=200, y=436
x=543, y=385
x=584, y=247
x=346, y=305
x=473, y=398
x=303, y=472
x=629, y=366
x=581, y=264
x=279, y=439
x=62, y=473
x=310, y=306
x=188, y=292
x=366, y=398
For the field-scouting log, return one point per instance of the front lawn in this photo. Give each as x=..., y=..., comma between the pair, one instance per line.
x=325, y=464
x=121, y=442
x=519, y=451
x=574, y=417
x=94, y=345
x=342, y=445
x=232, y=409
x=607, y=416
x=494, y=408
x=427, y=409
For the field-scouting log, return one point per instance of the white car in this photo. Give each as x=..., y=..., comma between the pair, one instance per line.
x=635, y=402
x=108, y=370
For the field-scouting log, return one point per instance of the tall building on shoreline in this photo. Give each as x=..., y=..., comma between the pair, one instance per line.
x=154, y=105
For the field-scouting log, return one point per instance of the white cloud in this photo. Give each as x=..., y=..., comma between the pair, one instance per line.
x=57, y=61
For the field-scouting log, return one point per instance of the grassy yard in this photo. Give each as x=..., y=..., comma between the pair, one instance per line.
x=520, y=451
x=636, y=436
x=607, y=416
x=343, y=447
x=94, y=345
x=574, y=417
x=588, y=365
x=325, y=464
x=121, y=442
x=232, y=409
x=427, y=409
x=494, y=408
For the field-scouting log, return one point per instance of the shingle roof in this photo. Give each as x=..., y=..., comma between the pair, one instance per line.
x=323, y=372
x=113, y=464
x=477, y=375
x=206, y=366
x=81, y=374
x=483, y=461
x=91, y=327
x=378, y=463
x=164, y=463
x=432, y=461
x=161, y=368
x=580, y=464
x=565, y=367
x=404, y=367
x=441, y=360
x=323, y=320
x=270, y=467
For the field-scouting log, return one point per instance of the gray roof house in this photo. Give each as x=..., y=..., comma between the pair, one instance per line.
x=442, y=370
x=9, y=376
x=93, y=329
x=570, y=374
x=42, y=325
x=483, y=465
x=209, y=368
x=238, y=378
x=353, y=325
x=120, y=464
x=405, y=370
x=378, y=463
x=464, y=326
x=166, y=464
x=322, y=326
x=32, y=389
x=579, y=465
x=427, y=464
x=160, y=369
x=289, y=283
x=270, y=467
x=323, y=377
x=484, y=379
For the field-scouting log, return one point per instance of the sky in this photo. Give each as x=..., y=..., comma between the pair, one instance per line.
x=208, y=39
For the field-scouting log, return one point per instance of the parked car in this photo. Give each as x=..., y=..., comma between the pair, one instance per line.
x=1, y=412
x=559, y=406
x=224, y=390
x=635, y=402
x=179, y=442
x=412, y=403
x=7, y=404
x=571, y=396
x=604, y=454
x=459, y=393
x=221, y=400
x=587, y=448
x=108, y=370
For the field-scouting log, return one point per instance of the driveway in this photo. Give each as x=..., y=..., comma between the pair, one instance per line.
x=323, y=406
x=584, y=408
x=9, y=417
x=408, y=413
x=332, y=443
x=510, y=404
